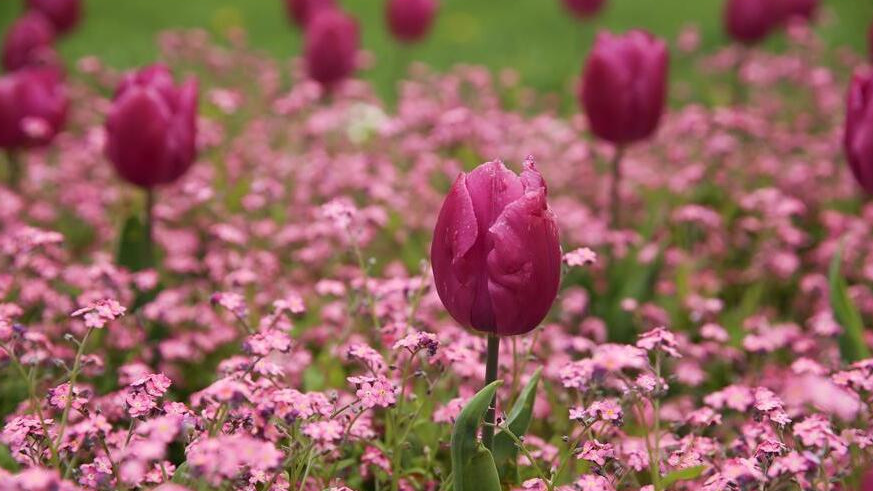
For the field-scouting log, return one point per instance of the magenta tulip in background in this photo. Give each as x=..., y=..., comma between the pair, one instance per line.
x=496, y=255
x=151, y=129
x=858, y=138
x=624, y=86
x=331, y=47
x=410, y=20
x=805, y=9
x=33, y=107
x=63, y=14
x=301, y=11
x=584, y=8
x=28, y=42
x=750, y=21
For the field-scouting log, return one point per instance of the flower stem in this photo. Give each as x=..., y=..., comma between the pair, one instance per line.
x=614, y=206
x=14, y=175
x=491, y=376
x=74, y=374
x=149, y=221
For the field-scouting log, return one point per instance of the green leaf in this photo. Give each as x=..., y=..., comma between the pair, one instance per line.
x=518, y=421
x=472, y=464
x=686, y=474
x=134, y=249
x=181, y=474
x=6, y=460
x=852, y=344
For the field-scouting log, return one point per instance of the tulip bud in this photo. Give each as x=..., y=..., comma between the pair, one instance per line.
x=624, y=86
x=858, y=137
x=496, y=255
x=584, y=9
x=410, y=20
x=301, y=11
x=63, y=14
x=151, y=129
x=750, y=21
x=803, y=9
x=33, y=107
x=28, y=42
x=331, y=47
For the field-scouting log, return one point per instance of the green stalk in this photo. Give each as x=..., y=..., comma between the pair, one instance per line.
x=491, y=376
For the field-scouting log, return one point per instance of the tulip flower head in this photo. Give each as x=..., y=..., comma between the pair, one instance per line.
x=802, y=9
x=63, y=14
x=624, y=86
x=151, y=129
x=33, y=107
x=410, y=20
x=858, y=136
x=331, y=50
x=750, y=21
x=496, y=255
x=301, y=11
x=28, y=42
x=584, y=9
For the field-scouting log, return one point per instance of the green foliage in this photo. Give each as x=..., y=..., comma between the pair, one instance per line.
x=6, y=460
x=518, y=421
x=852, y=344
x=473, y=466
x=134, y=250
x=686, y=474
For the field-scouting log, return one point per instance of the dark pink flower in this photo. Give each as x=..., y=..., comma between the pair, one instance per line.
x=63, y=14
x=750, y=21
x=28, y=42
x=151, y=129
x=584, y=8
x=495, y=253
x=410, y=20
x=331, y=47
x=858, y=136
x=804, y=9
x=301, y=11
x=33, y=107
x=624, y=86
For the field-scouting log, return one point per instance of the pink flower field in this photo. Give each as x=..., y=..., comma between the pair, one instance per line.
x=236, y=272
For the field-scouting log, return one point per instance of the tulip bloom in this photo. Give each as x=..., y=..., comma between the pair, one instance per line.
x=28, y=42
x=750, y=21
x=858, y=137
x=495, y=253
x=331, y=47
x=410, y=20
x=624, y=86
x=804, y=9
x=584, y=8
x=301, y=11
x=151, y=129
x=63, y=14
x=33, y=107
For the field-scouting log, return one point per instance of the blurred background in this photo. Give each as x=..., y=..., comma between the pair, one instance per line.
x=536, y=37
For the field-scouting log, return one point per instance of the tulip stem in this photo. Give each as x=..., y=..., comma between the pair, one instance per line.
x=491, y=376
x=14, y=175
x=614, y=207
x=149, y=219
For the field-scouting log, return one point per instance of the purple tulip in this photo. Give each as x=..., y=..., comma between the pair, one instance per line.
x=624, y=86
x=495, y=253
x=410, y=20
x=301, y=11
x=33, y=107
x=28, y=42
x=331, y=47
x=584, y=9
x=151, y=128
x=750, y=21
x=858, y=137
x=803, y=9
x=63, y=14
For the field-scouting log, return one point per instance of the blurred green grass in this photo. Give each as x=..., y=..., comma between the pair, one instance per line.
x=536, y=37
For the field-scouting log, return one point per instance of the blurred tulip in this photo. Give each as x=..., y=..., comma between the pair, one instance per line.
x=33, y=107
x=301, y=11
x=867, y=481
x=750, y=21
x=858, y=137
x=331, y=47
x=28, y=42
x=496, y=255
x=805, y=9
x=624, y=86
x=151, y=129
x=584, y=8
x=63, y=14
x=410, y=20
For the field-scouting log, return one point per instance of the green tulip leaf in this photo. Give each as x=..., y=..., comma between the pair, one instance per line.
x=518, y=421
x=686, y=474
x=134, y=250
x=472, y=464
x=852, y=344
x=181, y=474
